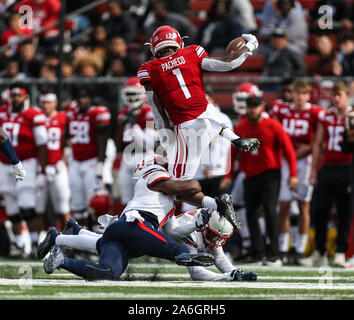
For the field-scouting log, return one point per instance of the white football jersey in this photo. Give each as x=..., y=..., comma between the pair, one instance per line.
x=157, y=203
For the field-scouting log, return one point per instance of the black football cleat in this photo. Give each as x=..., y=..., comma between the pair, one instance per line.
x=71, y=227
x=239, y=275
x=54, y=261
x=226, y=209
x=195, y=259
x=246, y=144
x=47, y=243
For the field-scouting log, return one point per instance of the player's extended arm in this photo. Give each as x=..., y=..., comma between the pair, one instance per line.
x=234, y=59
x=185, y=189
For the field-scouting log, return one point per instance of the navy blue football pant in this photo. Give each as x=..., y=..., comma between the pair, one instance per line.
x=123, y=240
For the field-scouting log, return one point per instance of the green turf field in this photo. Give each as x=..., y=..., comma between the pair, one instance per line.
x=162, y=280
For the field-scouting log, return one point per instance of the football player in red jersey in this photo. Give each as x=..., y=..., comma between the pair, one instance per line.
x=24, y=125
x=135, y=134
x=56, y=179
x=175, y=91
x=333, y=179
x=88, y=130
x=299, y=119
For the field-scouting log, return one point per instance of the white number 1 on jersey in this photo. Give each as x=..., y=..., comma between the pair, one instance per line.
x=178, y=74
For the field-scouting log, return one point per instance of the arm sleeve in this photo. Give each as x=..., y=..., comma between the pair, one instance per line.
x=209, y=64
x=221, y=260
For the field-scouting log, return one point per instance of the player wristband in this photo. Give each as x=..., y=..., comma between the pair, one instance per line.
x=9, y=152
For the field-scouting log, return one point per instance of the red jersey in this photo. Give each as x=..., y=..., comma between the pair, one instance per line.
x=144, y=115
x=55, y=129
x=274, y=142
x=82, y=130
x=20, y=129
x=299, y=124
x=334, y=129
x=178, y=81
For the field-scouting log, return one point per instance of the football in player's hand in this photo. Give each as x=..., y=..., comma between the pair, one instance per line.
x=235, y=45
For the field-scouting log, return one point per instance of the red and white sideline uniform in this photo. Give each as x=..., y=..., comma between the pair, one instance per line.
x=56, y=170
x=334, y=130
x=139, y=135
x=26, y=131
x=178, y=81
x=82, y=167
x=300, y=126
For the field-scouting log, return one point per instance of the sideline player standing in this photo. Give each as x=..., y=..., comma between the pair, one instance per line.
x=24, y=125
x=88, y=129
x=333, y=179
x=299, y=119
x=135, y=134
x=175, y=91
x=56, y=177
x=262, y=177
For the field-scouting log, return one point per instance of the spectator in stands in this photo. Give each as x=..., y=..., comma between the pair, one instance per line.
x=51, y=57
x=5, y=10
x=162, y=16
x=118, y=50
x=12, y=70
x=287, y=17
x=282, y=61
x=30, y=64
x=341, y=16
x=48, y=72
x=243, y=10
x=327, y=65
x=220, y=28
x=99, y=41
x=346, y=54
x=119, y=22
x=13, y=33
x=88, y=66
x=45, y=13
x=67, y=72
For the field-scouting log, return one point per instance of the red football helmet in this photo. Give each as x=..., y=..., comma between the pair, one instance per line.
x=133, y=93
x=100, y=203
x=242, y=92
x=165, y=36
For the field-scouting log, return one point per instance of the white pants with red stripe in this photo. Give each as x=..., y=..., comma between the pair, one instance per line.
x=191, y=139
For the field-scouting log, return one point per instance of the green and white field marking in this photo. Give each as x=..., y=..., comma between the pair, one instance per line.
x=147, y=281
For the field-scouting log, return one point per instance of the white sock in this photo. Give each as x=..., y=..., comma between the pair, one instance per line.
x=19, y=240
x=79, y=242
x=34, y=236
x=228, y=134
x=244, y=231
x=84, y=231
x=283, y=242
x=301, y=242
x=210, y=203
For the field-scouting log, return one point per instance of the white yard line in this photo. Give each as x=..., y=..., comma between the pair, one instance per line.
x=180, y=284
x=117, y=295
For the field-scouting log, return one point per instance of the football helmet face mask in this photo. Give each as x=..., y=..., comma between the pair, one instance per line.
x=100, y=203
x=165, y=36
x=242, y=93
x=217, y=231
x=133, y=93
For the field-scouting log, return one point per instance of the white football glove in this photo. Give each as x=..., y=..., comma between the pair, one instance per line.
x=18, y=171
x=51, y=172
x=202, y=219
x=252, y=42
x=41, y=181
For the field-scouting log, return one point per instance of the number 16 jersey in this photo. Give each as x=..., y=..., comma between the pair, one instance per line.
x=178, y=81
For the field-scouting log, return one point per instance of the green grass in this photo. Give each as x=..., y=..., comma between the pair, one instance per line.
x=161, y=280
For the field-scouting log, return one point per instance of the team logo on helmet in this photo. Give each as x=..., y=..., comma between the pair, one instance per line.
x=148, y=161
x=165, y=36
